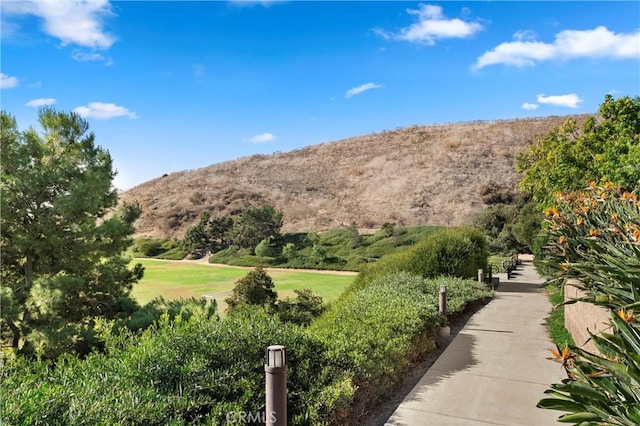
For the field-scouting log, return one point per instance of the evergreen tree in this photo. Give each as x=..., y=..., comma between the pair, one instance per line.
x=256, y=288
x=256, y=224
x=62, y=243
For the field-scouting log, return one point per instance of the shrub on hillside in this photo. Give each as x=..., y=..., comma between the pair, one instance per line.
x=457, y=252
x=159, y=248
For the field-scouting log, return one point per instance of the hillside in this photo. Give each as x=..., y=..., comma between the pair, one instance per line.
x=417, y=175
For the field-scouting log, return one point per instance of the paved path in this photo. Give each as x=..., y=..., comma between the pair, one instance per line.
x=495, y=369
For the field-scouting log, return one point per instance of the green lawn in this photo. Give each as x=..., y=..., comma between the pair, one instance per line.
x=174, y=280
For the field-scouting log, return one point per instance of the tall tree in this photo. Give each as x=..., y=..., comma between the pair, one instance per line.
x=62, y=243
x=606, y=149
x=256, y=224
x=197, y=237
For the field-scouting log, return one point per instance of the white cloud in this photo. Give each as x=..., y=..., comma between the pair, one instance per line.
x=568, y=44
x=262, y=138
x=81, y=56
x=41, y=102
x=7, y=82
x=104, y=111
x=357, y=90
x=529, y=106
x=71, y=21
x=524, y=35
x=431, y=26
x=570, y=101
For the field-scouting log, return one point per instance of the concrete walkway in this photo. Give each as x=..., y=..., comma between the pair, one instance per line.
x=495, y=370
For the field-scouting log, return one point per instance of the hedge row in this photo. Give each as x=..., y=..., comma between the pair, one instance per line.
x=198, y=371
x=455, y=251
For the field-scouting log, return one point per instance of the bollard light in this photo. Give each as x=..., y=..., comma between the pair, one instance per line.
x=445, y=330
x=276, y=356
x=275, y=368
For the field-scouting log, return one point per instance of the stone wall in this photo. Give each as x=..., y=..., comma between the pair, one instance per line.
x=580, y=317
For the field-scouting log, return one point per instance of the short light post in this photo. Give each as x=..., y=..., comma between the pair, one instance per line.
x=445, y=330
x=275, y=369
x=480, y=275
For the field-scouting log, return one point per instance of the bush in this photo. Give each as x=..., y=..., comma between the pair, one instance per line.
x=303, y=309
x=372, y=332
x=256, y=288
x=378, y=332
x=177, y=373
x=457, y=252
x=158, y=248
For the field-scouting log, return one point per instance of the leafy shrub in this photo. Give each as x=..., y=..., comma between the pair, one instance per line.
x=456, y=252
x=377, y=332
x=159, y=248
x=371, y=332
x=176, y=253
x=303, y=309
x=184, y=308
x=255, y=288
x=177, y=373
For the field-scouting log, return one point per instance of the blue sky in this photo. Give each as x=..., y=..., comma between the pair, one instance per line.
x=169, y=86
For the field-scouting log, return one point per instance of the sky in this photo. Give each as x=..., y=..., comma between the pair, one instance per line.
x=168, y=86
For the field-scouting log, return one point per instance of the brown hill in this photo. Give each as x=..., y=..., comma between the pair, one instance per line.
x=416, y=175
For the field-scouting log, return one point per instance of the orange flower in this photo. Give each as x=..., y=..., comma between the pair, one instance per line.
x=562, y=239
x=630, y=197
x=552, y=211
x=564, y=357
x=615, y=218
x=580, y=221
x=627, y=316
x=561, y=356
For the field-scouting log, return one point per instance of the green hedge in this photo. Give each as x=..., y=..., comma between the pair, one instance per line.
x=456, y=251
x=376, y=333
x=177, y=373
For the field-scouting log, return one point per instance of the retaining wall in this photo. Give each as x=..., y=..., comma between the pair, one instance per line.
x=581, y=316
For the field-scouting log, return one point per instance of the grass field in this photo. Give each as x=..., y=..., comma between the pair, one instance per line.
x=174, y=280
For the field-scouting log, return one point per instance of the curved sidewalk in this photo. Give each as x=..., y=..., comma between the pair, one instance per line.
x=495, y=370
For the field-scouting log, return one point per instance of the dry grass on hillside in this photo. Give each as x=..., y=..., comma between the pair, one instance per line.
x=411, y=176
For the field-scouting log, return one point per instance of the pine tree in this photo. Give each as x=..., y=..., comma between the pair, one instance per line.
x=62, y=240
